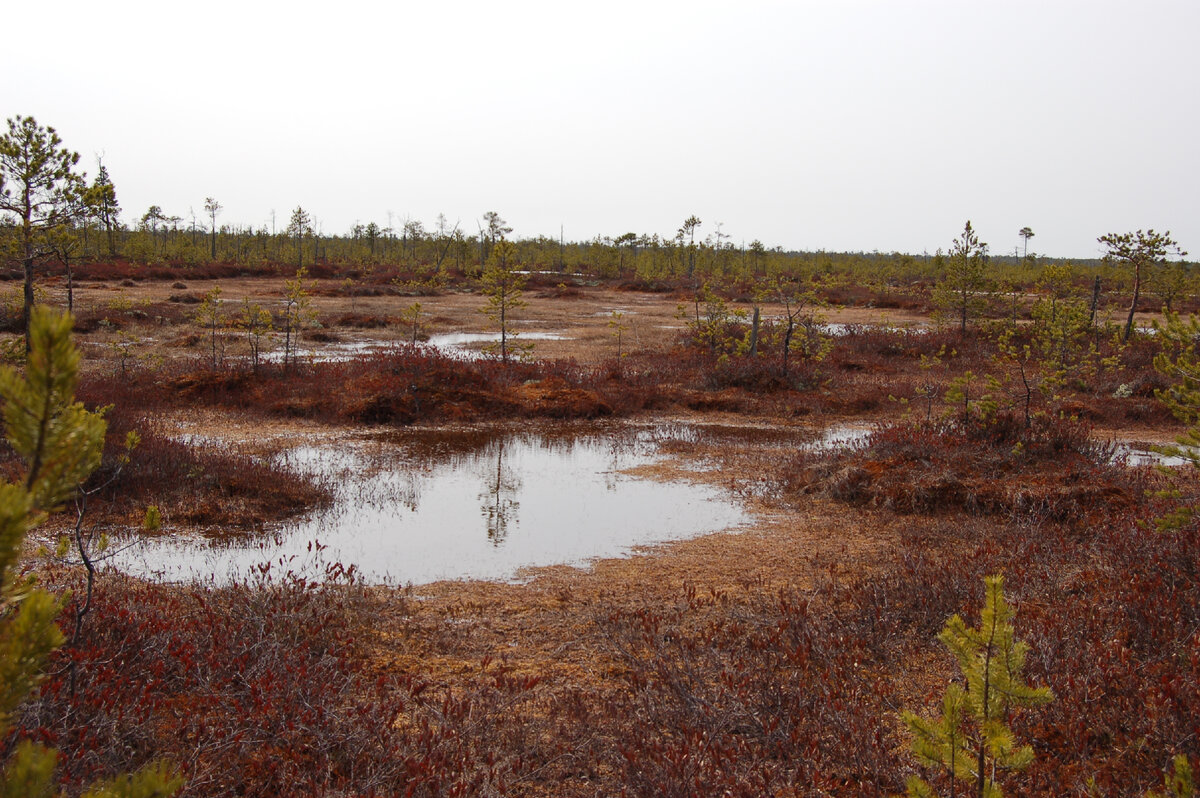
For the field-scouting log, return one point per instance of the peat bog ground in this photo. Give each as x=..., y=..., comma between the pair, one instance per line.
x=772, y=659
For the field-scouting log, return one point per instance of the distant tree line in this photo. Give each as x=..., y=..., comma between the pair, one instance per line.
x=52, y=216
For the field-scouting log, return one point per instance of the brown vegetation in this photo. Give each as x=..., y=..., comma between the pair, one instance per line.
x=768, y=663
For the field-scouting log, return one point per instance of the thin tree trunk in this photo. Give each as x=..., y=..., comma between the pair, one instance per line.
x=27, y=307
x=503, y=332
x=754, y=333
x=787, y=345
x=1137, y=290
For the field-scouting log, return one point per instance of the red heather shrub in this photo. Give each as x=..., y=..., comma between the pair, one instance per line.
x=261, y=689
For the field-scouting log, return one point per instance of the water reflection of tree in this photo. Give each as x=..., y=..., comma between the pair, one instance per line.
x=500, y=505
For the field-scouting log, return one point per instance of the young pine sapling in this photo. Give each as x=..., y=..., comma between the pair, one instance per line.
x=971, y=738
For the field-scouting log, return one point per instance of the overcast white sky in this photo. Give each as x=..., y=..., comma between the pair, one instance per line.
x=840, y=125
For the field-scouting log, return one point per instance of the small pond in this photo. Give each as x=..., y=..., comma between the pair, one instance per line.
x=465, y=345
x=422, y=506
x=1141, y=454
x=336, y=352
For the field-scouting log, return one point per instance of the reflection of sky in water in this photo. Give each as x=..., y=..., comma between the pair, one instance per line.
x=462, y=345
x=1138, y=455
x=455, y=344
x=454, y=340
x=418, y=507
x=328, y=353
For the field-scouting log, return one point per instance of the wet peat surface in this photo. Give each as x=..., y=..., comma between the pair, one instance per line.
x=417, y=506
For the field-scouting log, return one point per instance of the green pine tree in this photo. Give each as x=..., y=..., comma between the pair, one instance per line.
x=1180, y=783
x=60, y=442
x=963, y=291
x=298, y=314
x=971, y=738
x=503, y=285
x=1179, y=361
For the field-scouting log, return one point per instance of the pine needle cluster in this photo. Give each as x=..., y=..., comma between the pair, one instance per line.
x=971, y=738
x=60, y=442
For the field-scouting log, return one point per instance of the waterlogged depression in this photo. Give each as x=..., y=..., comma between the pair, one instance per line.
x=426, y=505
x=462, y=345
x=423, y=506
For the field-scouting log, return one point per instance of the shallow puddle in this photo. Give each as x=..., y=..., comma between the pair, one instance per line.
x=1140, y=454
x=337, y=352
x=425, y=506
x=466, y=345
